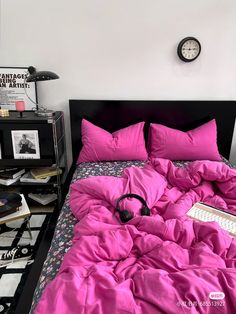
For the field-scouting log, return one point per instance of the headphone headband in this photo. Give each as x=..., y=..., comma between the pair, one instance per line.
x=138, y=197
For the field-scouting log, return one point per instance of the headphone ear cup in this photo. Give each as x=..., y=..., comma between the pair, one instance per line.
x=145, y=211
x=125, y=215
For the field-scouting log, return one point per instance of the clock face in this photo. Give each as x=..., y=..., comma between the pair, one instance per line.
x=189, y=49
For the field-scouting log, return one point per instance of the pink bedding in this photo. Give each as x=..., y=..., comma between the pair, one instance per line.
x=164, y=263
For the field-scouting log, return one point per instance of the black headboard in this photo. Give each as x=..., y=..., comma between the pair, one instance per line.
x=113, y=115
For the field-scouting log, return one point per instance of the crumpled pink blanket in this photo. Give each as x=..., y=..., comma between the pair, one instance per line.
x=165, y=263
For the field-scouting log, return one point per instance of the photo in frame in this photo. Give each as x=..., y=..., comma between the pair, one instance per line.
x=25, y=144
x=13, y=87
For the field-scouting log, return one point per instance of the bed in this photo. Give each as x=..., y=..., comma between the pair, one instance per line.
x=114, y=115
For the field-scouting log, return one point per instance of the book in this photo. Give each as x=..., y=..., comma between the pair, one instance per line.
x=21, y=213
x=9, y=212
x=45, y=172
x=12, y=174
x=4, y=181
x=41, y=208
x=43, y=199
x=27, y=177
x=7, y=169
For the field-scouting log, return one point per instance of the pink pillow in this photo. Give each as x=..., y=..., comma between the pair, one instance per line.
x=125, y=144
x=197, y=144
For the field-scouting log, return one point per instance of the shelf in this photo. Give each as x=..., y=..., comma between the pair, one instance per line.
x=29, y=117
x=18, y=183
x=51, y=138
x=25, y=163
x=51, y=182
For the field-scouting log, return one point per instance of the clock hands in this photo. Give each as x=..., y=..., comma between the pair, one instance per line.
x=189, y=49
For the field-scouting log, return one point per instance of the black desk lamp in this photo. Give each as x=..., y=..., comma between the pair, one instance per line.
x=34, y=76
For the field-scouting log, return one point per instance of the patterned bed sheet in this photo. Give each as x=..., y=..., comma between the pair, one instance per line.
x=62, y=239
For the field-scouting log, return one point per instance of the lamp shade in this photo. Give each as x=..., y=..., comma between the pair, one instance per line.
x=40, y=75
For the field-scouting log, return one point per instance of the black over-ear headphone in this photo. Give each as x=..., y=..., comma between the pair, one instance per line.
x=125, y=215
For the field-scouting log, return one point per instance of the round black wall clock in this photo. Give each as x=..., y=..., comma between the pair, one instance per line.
x=189, y=49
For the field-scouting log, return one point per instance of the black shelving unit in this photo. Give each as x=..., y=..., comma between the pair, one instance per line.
x=51, y=135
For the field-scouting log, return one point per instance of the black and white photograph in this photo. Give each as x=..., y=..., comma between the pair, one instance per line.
x=25, y=144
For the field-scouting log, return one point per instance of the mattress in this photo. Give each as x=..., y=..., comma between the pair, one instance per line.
x=63, y=235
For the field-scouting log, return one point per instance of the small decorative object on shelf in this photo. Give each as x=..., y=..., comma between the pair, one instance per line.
x=4, y=113
x=20, y=107
x=34, y=147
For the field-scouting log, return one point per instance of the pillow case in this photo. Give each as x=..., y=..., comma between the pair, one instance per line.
x=124, y=144
x=197, y=144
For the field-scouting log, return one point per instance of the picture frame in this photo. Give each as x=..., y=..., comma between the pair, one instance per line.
x=25, y=144
x=12, y=82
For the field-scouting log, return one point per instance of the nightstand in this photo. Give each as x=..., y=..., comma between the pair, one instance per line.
x=47, y=148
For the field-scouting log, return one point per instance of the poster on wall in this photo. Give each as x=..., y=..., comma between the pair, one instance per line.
x=13, y=88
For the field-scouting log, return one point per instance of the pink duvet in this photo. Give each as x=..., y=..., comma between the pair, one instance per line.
x=164, y=263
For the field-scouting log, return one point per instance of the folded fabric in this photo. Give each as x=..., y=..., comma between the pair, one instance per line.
x=197, y=144
x=100, y=145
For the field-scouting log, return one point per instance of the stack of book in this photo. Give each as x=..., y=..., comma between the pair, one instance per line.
x=43, y=199
x=27, y=177
x=9, y=176
x=41, y=173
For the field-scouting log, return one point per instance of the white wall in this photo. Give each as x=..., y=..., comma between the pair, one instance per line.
x=122, y=49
